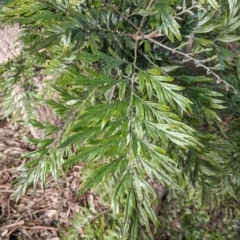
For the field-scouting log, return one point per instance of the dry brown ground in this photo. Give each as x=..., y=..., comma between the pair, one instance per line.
x=39, y=215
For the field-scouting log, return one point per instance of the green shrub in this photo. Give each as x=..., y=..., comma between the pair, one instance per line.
x=141, y=87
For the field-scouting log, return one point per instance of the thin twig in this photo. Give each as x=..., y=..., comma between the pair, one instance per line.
x=29, y=191
x=13, y=225
x=197, y=63
x=7, y=170
x=40, y=227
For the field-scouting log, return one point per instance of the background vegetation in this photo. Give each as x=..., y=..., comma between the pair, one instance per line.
x=145, y=97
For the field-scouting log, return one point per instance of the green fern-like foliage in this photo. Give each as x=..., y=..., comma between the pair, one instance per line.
x=141, y=88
